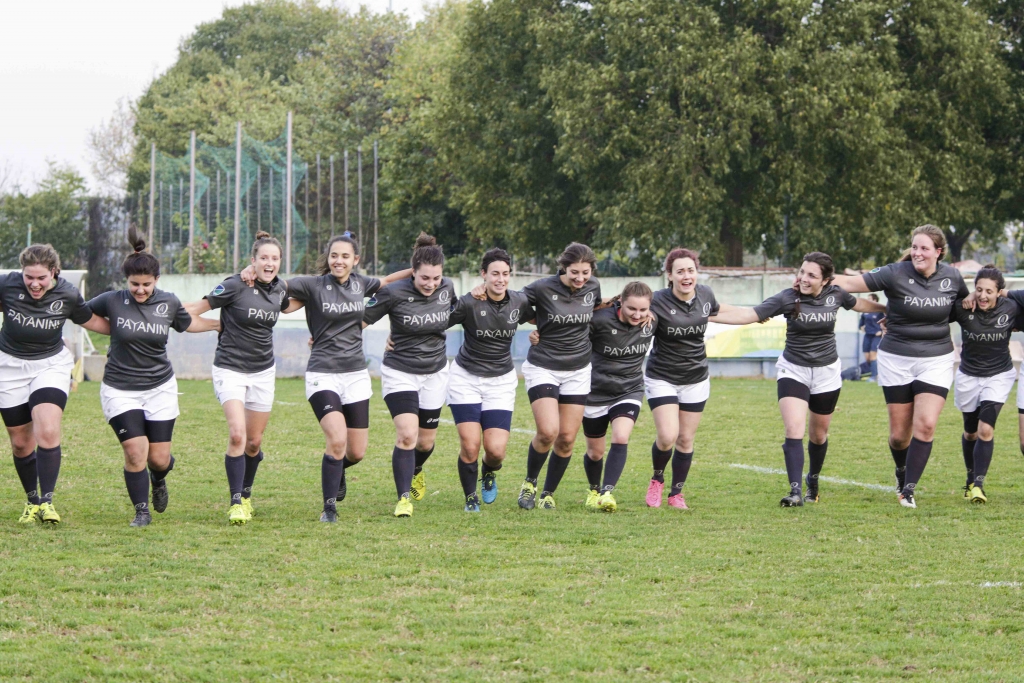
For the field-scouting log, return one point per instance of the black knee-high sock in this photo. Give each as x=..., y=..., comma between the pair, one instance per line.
x=252, y=463
x=331, y=471
x=917, y=458
x=793, y=450
x=593, y=471
x=556, y=468
x=816, y=455
x=421, y=457
x=138, y=489
x=467, y=476
x=680, y=470
x=968, y=448
x=235, y=468
x=534, y=463
x=48, y=466
x=982, y=460
x=616, y=462
x=486, y=469
x=157, y=476
x=659, y=459
x=403, y=462
x=899, y=456
x=26, y=468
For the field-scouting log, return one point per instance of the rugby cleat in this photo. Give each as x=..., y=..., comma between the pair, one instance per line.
x=967, y=490
x=907, y=499
x=419, y=486
x=237, y=514
x=47, y=514
x=654, y=490
x=901, y=479
x=342, y=489
x=607, y=502
x=329, y=515
x=29, y=514
x=404, y=507
x=142, y=518
x=472, y=503
x=592, y=500
x=528, y=496
x=678, y=502
x=160, y=496
x=489, y=487
x=793, y=500
x=248, y=508
x=811, y=494
x=978, y=495
x=546, y=502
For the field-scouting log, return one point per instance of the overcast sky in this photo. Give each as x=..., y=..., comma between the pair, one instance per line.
x=65, y=63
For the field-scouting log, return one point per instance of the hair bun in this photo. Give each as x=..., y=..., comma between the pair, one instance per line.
x=990, y=265
x=262, y=235
x=425, y=240
x=134, y=239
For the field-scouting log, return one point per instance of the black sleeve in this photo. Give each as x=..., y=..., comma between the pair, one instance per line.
x=378, y=306
x=849, y=300
x=880, y=279
x=715, y=306
x=458, y=314
x=99, y=304
x=182, y=320
x=370, y=285
x=530, y=291
x=1016, y=296
x=775, y=305
x=961, y=291
x=299, y=287
x=81, y=313
x=224, y=293
x=526, y=312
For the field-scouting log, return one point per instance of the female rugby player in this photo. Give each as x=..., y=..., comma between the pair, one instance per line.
x=35, y=370
x=139, y=393
x=414, y=374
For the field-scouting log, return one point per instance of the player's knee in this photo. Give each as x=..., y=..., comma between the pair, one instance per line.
x=971, y=436
x=47, y=436
x=337, y=445
x=252, y=444
x=546, y=438
x=236, y=437
x=924, y=428
x=564, y=443
x=985, y=431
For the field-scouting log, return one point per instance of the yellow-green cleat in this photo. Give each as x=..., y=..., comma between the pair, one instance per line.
x=47, y=514
x=546, y=502
x=30, y=514
x=978, y=496
x=607, y=502
x=592, y=498
x=247, y=506
x=237, y=515
x=419, y=486
x=404, y=507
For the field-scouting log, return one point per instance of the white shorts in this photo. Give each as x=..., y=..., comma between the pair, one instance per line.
x=569, y=382
x=431, y=388
x=819, y=380
x=683, y=393
x=592, y=412
x=351, y=387
x=254, y=389
x=20, y=377
x=970, y=391
x=897, y=371
x=158, y=404
x=491, y=393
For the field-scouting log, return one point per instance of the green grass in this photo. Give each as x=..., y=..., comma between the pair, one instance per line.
x=735, y=589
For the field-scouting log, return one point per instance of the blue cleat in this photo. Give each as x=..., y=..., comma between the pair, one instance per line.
x=472, y=503
x=489, y=487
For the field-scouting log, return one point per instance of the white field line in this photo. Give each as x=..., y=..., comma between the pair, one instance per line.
x=1000, y=584
x=831, y=480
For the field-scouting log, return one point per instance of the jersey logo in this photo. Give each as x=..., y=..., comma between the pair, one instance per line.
x=945, y=285
x=328, y=288
x=672, y=311
x=56, y=306
x=513, y=316
x=588, y=299
x=126, y=302
x=911, y=280
x=707, y=309
x=554, y=297
x=483, y=313
x=444, y=297
x=162, y=310
x=410, y=298
x=647, y=329
x=830, y=301
x=875, y=270
x=371, y=302
x=615, y=331
x=354, y=286
x=1003, y=320
x=21, y=296
x=218, y=290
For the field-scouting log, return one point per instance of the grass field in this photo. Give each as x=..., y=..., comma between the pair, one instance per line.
x=735, y=589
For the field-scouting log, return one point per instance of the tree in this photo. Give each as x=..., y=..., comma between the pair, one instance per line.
x=55, y=213
x=111, y=146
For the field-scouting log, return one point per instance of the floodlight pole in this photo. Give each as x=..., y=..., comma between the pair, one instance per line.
x=191, y=196
x=345, y=173
x=332, y=196
x=359, y=189
x=288, y=200
x=238, y=191
x=152, y=190
x=376, y=214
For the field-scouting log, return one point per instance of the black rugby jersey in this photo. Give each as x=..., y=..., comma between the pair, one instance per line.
x=137, y=357
x=917, y=310
x=418, y=324
x=617, y=358
x=679, y=355
x=488, y=330
x=246, y=339
x=334, y=316
x=32, y=327
x=811, y=334
x=986, y=337
x=563, y=320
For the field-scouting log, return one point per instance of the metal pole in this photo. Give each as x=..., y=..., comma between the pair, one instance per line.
x=345, y=173
x=376, y=215
x=160, y=210
x=319, y=189
x=305, y=204
x=152, y=191
x=238, y=192
x=181, y=205
x=270, y=213
x=288, y=198
x=359, y=180
x=332, y=194
x=191, y=195
x=218, y=199
x=259, y=192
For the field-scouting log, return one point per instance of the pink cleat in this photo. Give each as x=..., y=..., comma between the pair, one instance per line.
x=677, y=501
x=654, y=493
